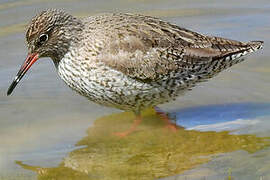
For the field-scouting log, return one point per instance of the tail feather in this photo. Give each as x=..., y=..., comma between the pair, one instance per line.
x=255, y=45
x=247, y=48
x=228, y=59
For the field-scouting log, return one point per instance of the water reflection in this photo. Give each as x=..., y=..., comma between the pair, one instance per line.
x=151, y=152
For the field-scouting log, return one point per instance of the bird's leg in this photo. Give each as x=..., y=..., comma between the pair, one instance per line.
x=170, y=125
x=136, y=122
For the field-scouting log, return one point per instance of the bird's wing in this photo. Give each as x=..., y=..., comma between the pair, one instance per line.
x=147, y=48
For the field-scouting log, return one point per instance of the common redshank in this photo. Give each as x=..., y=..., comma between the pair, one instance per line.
x=127, y=61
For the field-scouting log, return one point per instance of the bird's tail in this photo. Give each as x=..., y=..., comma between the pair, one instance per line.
x=241, y=51
x=229, y=59
x=255, y=45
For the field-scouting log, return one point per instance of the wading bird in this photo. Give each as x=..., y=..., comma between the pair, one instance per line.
x=127, y=61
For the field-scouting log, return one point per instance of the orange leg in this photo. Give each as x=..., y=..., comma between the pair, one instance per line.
x=170, y=125
x=137, y=121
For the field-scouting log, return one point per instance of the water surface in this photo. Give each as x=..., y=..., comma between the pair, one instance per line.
x=43, y=119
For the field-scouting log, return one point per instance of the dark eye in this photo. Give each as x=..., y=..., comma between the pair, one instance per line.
x=43, y=38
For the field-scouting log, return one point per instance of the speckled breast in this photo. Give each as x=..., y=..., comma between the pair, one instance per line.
x=109, y=87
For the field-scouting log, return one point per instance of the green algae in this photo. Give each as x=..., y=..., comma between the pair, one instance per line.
x=149, y=153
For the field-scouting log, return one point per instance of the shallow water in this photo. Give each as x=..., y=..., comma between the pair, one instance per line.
x=43, y=119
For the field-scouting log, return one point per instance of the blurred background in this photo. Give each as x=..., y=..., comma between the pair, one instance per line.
x=43, y=120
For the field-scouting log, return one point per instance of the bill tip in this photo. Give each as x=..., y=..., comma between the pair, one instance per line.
x=8, y=92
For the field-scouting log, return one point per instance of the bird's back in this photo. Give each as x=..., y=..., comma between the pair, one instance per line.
x=148, y=48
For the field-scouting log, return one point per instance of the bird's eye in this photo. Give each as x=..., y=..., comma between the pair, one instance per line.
x=43, y=38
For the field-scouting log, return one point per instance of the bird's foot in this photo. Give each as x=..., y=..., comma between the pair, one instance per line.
x=172, y=127
x=169, y=125
x=137, y=121
x=121, y=134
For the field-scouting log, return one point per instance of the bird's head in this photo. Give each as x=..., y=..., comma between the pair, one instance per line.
x=49, y=34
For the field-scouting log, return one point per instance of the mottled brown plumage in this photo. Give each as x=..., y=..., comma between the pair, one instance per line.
x=128, y=61
x=148, y=48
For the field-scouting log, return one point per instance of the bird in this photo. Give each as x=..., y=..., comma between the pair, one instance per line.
x=128, y=61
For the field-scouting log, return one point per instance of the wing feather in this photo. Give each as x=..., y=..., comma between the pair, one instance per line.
x=144, y=47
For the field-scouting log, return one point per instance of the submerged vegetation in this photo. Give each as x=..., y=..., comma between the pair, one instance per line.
x=149, y=153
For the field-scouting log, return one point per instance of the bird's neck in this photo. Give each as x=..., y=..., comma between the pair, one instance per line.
x=70, y=41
